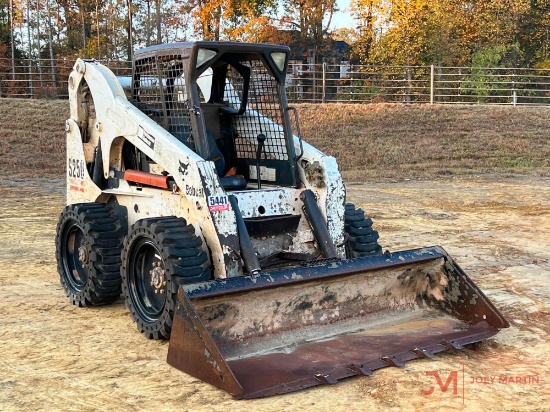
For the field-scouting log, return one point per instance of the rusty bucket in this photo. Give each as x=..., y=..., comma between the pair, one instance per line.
x=294, y=328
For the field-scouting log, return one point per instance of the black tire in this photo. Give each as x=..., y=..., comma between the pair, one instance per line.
x=362, y=238
x=159, y=254
x=88, y=244
x=359, y=231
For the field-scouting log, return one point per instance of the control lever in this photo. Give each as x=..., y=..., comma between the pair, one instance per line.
x=261, y=140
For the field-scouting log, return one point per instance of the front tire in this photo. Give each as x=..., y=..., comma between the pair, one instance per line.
x=88, y=243
x=159, y=255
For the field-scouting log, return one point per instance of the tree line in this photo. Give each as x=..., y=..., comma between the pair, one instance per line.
x=479, y=33
x=510, y=33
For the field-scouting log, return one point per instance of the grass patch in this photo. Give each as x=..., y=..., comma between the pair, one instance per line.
x=421, y=141
x=369, y=141
x=32, y=138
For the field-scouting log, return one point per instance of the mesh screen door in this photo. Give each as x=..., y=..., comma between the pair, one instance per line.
x=263, y=116
x=162, y=95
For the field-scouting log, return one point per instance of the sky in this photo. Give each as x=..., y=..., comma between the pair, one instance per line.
x=342, y=18
x=339, y=19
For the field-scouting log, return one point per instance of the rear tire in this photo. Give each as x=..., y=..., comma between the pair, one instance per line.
x=159, y=255
x=88, y=245
x=362, y=238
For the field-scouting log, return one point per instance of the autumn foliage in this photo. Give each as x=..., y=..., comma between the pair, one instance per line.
x=387, y=32
x=452, y=32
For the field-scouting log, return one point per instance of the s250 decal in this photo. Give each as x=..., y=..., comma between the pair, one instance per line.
x=76, y=168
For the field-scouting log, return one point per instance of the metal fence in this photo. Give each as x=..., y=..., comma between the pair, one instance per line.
x=44, y=78
x=419, y=84
x=325, y=83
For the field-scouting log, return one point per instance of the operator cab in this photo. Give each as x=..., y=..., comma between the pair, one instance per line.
x=225, y=101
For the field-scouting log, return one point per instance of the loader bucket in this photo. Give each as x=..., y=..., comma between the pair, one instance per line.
x=299, y=327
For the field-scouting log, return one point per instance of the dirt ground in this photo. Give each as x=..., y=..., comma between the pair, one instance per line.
x=58, y=357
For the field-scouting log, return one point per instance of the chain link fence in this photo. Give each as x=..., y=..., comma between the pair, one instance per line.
x=325, y=83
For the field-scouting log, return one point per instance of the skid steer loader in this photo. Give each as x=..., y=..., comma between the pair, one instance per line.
x=193, y=194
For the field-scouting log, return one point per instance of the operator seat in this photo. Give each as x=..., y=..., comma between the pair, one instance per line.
x=228, y=182
x=181, y=130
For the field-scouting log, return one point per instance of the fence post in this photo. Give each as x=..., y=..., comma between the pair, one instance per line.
x=31, y=80
x=324, y=82
x=432, y=84
x=514, y=93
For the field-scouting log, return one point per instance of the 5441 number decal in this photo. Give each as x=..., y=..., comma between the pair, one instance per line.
x=218, y=203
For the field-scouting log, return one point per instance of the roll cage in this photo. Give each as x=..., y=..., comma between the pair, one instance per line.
x=217, y=98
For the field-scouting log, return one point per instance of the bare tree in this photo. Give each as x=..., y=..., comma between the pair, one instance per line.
x=129, y=31
x=50, y=47
x=159, y=35
x=12, y=40
x=38, y=48
x=97, y=28
x=29, y=40
x=82, y=16
x=148, y=24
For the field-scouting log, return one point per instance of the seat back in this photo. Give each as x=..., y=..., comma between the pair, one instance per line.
x=215, y=153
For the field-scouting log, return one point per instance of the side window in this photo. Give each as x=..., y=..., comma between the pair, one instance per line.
x=263, y=113
x=204, y=83
x=160, y=92
x=233, y=93
x=147, y=90
x=174, y=93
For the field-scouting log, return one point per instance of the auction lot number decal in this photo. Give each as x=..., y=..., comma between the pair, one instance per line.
x=218, y=203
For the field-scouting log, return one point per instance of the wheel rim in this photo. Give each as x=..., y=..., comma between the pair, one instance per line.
x=74, y=255
x=147, y=279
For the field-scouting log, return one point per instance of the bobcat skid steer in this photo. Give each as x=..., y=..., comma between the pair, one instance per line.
x=195, y=196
